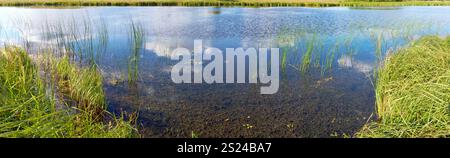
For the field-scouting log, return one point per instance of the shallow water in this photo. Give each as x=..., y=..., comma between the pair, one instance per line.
x=322, y=101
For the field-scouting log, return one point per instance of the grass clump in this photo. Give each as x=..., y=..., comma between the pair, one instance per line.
x=82, y=86
x=413, y=92
x=31, y=107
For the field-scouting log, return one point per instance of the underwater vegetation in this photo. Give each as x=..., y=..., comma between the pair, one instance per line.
x=64, y=80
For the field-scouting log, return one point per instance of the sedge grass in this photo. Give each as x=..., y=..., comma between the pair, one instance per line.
x=413, y=92
x=30, y=108
x=306, y=59
x=137, y=42
x=81, y=85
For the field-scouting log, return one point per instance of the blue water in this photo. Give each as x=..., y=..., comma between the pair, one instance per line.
x=321, y=102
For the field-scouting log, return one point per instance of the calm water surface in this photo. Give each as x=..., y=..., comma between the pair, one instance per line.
x=334, y=96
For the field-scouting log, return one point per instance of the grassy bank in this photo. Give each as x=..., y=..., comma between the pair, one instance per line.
x=224, y=3
x=413, y=92
x=65, y=101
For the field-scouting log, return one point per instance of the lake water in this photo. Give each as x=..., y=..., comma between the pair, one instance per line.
x=330, y=93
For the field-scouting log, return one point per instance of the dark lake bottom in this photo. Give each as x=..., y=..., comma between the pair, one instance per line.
x=328, y=60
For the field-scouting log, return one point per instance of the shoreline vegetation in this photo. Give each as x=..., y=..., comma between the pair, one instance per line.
x=53, y=97
x=413, y=92
x=48, y=94
x=228, y=3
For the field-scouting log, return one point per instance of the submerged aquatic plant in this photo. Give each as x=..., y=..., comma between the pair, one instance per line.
x=413, y=92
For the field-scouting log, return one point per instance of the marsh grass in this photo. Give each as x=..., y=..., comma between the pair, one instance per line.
x=307, y=56
x=63, y=84
x=329, y=59
x=30, y=107
x=83, y=86
x=284, y=54
x=81, y=40
x=137, y=42
x=305, y=52
x=413, y=92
